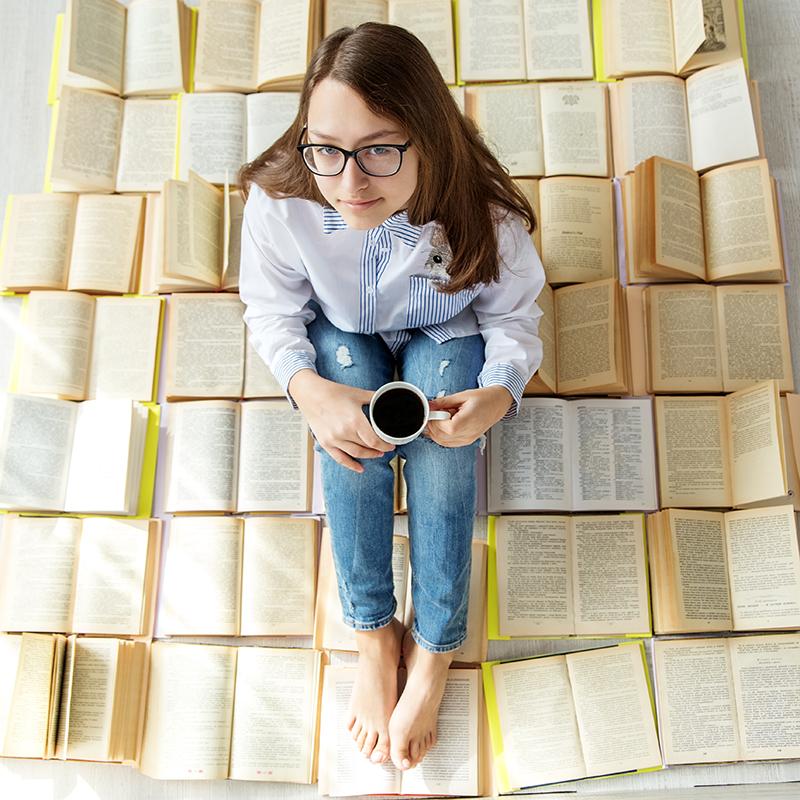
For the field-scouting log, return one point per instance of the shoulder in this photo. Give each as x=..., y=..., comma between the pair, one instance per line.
x=262, y=209
x=514, y=243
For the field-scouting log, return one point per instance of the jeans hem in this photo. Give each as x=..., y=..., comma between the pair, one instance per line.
x=436, y=648
x=370, y=626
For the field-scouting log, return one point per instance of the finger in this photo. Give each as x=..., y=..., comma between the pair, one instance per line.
x=370, y=438
x=357, y=450
x=340, y=457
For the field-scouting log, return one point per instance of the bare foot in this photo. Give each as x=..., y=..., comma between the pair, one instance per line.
x=412, y=727
x=375, y=691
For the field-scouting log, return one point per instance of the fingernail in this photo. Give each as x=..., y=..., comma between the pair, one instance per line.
x=376, y=757
x=406, y=763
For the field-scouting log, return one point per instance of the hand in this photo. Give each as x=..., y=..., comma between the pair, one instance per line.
x=472, y=413
x=333, y=412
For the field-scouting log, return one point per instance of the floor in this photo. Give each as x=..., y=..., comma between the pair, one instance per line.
x=26, y=28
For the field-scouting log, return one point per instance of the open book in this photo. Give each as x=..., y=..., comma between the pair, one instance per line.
x=719, y=452
x=714, y=571
x=75, y=698
x=451, y=767
x=566, y=717
x=573, y=455
x=575, y=227
x=516, y=40
x=544, y=129
x=568, y=576
x=247, y=713
x=723, y=226
x=705, y=121
x=330, y=632
x=733, y=699
x=70, y=346
x=101, y=143
x=715, y=338
x=78, y=242
x=139, y=49
x=584, y=333
x=431, y=21
x=226, y=456
x=210, y=352
x=95, y=457
x=248, y=45
x=673, y=36
x=70, y=575
x=238, y=577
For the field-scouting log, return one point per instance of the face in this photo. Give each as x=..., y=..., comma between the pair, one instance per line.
x=337, y=115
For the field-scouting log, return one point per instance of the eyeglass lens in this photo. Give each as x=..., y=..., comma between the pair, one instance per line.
x=379, y=161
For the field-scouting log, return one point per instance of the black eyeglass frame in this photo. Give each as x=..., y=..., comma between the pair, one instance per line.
x=401, y=148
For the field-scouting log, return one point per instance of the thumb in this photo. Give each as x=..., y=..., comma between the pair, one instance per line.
x=449, y=400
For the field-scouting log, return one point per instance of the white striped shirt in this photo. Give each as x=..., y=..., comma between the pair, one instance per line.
x=382, y=280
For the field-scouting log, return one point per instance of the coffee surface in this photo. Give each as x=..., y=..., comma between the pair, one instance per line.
x=398, y=412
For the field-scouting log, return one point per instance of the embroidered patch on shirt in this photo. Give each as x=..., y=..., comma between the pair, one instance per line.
x=439, y=258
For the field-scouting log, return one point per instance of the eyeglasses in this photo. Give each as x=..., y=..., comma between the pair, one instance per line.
x=377, y=160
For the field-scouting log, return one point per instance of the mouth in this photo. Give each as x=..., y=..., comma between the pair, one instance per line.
x=358, y=205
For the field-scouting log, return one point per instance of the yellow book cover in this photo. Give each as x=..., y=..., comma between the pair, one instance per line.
x=52, y=86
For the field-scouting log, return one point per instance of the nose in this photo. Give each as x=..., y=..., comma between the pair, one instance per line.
x=353, y=180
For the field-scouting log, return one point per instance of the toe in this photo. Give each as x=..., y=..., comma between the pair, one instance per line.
x=381, y=752
x=355, y=731
x=369, y=743
x=350, y=720
x=361, y=738
x=414, y=751
x=400, y=757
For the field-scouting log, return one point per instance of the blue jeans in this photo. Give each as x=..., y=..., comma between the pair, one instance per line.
x=440, y=482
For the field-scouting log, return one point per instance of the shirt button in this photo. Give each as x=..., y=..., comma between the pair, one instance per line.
x=370, y=290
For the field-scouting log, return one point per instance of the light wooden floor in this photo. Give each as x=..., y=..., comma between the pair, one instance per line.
x=26, y=29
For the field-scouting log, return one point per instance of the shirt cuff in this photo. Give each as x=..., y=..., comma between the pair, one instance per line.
x=286, y=366
x=509, y=377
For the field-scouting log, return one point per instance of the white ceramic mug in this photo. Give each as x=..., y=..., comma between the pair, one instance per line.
x=400, y=412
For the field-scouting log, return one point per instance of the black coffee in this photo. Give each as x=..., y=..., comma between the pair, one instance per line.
x=398, y=412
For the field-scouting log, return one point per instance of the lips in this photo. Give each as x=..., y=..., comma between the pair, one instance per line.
x=359, y=204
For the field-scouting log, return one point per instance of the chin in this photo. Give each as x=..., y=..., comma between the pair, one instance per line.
x=364, y=221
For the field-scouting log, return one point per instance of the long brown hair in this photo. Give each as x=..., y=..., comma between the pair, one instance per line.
x=460, y=183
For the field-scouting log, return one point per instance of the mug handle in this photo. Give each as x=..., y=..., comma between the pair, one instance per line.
x=438, y=415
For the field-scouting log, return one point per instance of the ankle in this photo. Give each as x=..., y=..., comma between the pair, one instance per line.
x=381, y=641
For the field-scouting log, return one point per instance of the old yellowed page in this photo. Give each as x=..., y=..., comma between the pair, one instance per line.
x=432, y=23
x=491, y=41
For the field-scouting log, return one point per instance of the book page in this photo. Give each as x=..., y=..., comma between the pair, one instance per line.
x=683, y=335
x=574, y=128
x=612, y=455
x=27, y=715
x=206, y=213
x=283, y=40
x=91, y=709
x=528, y=463
x=350, y=13
x=678, y=230
x=258, y=380
x=558, y=39
x=765, y=568
x=766, y=676
x=10, y=646
x=720, y=116
x=275, y=458
x=269, y=116
x=55, y=354
x=693, y=456
x=687, y=25
x=35, y=448
x=187, y=732
x=613, y=707
x=128, y=325
x=38, y=559
x=585, y=336
x=232, y=240
x=201, y=586
x=756, y=444
x=97, y=40
x=541, y=743
x=147, y=144
x=754, y=336
x=106, y=241
x=742, y=236
x=696, y=706
x=510, y=120
x=534, y=576
x=37, y=241
x=546, y=374
x=227, y=34
x=212, y=136
x=275, y=714
x=638, y=36
x=153, y=48
x=432, y=23
x=205, y=346
x=577, y=229
x=110, y=586
x=722, y=35
x=609, y=574
x=86, y=141
x=278, y=576
x=491, y=43
x=204, y=440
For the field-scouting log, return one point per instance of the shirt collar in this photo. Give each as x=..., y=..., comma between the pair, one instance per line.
x=398, y=225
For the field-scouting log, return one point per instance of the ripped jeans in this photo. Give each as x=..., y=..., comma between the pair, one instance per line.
x=440, y=482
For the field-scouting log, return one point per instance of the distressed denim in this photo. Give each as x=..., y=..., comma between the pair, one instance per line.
x=440, y=482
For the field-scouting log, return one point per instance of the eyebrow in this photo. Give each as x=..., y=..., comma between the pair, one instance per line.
x=370, y=137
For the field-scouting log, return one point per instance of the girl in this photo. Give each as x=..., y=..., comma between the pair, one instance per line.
x=380, y=234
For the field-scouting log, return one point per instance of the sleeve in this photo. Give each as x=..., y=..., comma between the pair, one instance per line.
x=507, y=314
x=275, y=289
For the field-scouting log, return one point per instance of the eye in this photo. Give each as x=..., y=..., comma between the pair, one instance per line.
x=325, y=152
x=379, y=150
